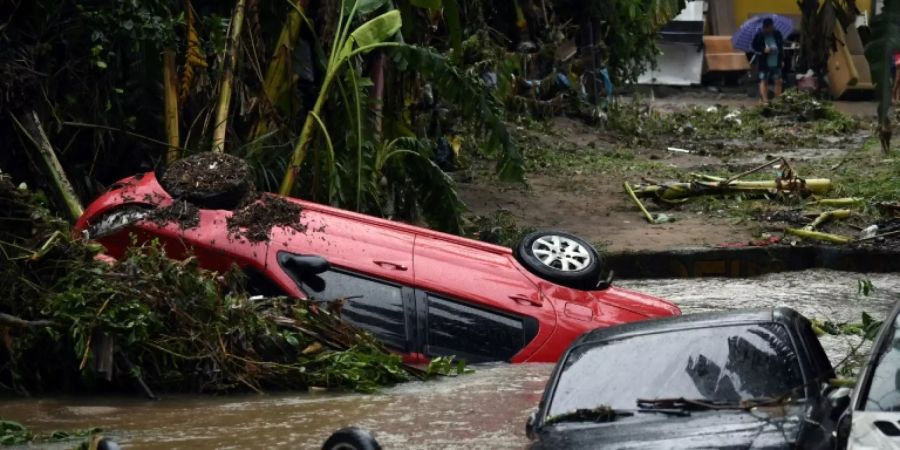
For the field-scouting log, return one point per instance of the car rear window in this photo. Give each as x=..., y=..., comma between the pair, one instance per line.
x=720, y=364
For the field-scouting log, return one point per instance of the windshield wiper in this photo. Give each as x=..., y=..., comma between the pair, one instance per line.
x=687, y=404
x=599, y=414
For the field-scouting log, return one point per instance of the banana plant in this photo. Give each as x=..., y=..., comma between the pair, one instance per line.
x=450, y=9
x=879, y=52
x=347, y=44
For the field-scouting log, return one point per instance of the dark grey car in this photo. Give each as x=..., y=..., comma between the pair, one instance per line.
x=746, y=379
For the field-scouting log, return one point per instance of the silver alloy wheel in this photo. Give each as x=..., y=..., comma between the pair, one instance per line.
x=561, y=253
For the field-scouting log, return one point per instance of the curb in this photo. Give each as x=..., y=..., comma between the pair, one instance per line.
x=749, y=261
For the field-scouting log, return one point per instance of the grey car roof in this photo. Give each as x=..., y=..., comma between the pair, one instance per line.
x=698, y=320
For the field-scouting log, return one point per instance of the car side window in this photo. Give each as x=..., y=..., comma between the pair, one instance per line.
x=258, y=283
x=472, y=333
x=372, y=305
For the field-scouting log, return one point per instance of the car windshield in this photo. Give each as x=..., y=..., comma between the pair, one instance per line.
x=884, y=390
x=724, y=364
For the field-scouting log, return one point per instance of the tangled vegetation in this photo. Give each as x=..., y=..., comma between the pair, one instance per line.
x=353, y=103
x=14, y=433
x=793, y=118
x=70, y=321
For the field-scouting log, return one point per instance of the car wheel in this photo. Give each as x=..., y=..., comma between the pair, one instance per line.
x=561, y=258
x=208, y=180
x=351, y=438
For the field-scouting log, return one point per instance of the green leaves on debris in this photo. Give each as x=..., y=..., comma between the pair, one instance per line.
x=14, y=433
x=866, y=328
x=148, y=322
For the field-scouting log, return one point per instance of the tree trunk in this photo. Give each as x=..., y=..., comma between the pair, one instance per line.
x=234, y=41
x=170, y=91
x=34, y=130
x=279, y=76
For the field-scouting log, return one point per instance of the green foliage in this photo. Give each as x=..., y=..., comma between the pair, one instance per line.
x=807, y=117
x=446, y=366
x=454, y=26
x=474, y=104
x=867, y=327
x=879, y=52
x=865, y=286
x=178, y=326
x=409, y=162
x=630, y=29
x=500, y=228
x=14, y=433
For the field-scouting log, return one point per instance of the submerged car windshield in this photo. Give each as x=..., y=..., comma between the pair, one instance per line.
x=884, y=390
x=724, y=364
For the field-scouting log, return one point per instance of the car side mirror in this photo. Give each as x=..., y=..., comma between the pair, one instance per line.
x=839, y=399
x=529, y=425
x=305, y=269
x=303, y=265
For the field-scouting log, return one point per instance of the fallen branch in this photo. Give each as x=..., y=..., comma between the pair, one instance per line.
x=675, y=191
x=35, y=133
x=640, y=205
x=836, y=202
x=11, y=321
x=838, y=214
x=753, y=170
x=819, y=236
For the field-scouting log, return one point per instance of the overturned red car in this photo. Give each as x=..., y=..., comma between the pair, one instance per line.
x=424, y=293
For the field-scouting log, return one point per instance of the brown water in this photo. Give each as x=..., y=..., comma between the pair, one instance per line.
x=486, y=409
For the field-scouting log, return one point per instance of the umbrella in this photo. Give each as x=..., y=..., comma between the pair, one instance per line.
x=742, y=39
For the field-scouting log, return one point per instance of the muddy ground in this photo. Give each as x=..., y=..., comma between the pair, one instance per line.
x=576, y=171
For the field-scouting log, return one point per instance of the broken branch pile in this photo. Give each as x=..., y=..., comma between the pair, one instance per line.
x=71, y=322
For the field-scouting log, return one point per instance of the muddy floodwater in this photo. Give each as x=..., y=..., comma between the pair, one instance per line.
x=486, y=409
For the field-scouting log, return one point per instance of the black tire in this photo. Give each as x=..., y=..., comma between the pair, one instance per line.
x=351, y=438
x=180, y=180
x=586, y=277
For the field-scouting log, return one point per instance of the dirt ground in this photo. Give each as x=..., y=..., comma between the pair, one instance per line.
x=590, y=201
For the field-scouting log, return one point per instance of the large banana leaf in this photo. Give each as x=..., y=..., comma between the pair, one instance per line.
x=376, y=30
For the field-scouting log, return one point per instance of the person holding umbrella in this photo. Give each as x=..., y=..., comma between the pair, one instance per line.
x=768, y=44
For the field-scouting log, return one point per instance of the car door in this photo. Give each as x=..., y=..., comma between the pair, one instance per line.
x=350, y=241
x=475, y=304
x=382, y=307
x=371, y=270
